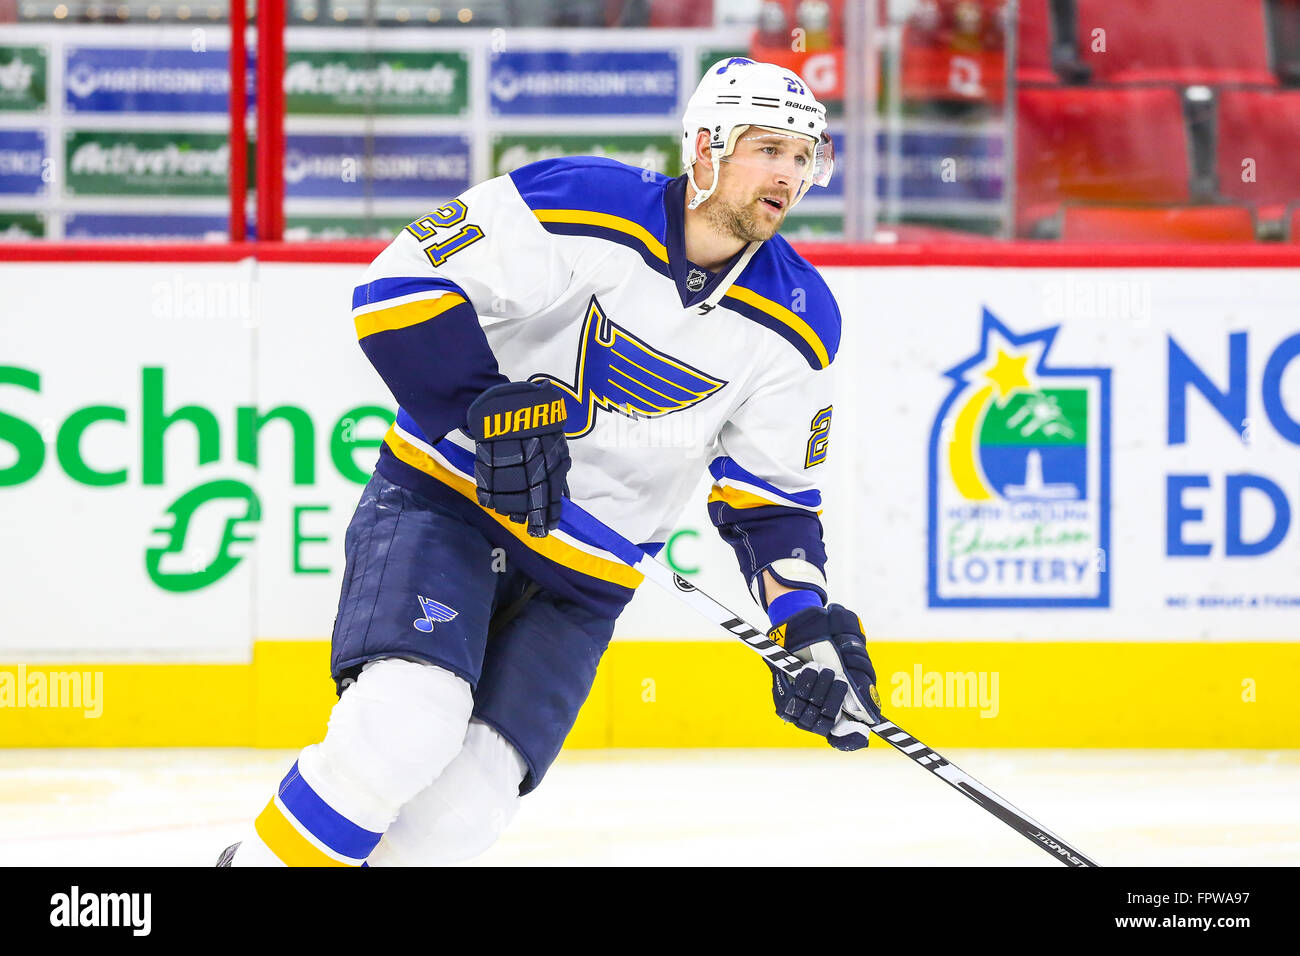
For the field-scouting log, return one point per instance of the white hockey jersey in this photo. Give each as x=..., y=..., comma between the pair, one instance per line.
x=573, y=271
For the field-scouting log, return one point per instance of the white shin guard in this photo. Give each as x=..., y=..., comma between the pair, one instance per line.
x=464, y=811
x=390, y=735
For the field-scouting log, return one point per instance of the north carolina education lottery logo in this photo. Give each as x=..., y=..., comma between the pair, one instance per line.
x=1019, y=511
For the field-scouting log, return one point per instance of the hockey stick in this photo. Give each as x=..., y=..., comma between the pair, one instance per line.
x=605, y=537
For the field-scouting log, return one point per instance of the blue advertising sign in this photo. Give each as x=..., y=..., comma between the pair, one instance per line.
x=22, y=157
x=144, y=226
x=944, y=165
x=128, y=80
x=356, y=167
x=605, y=82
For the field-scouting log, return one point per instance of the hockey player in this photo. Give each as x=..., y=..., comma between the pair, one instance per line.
x=536, y=332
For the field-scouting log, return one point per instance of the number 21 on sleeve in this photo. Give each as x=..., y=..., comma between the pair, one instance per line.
x=444, y=217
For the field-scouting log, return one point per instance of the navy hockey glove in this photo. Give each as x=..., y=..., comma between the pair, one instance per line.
x=521, y=455
x=831, y=639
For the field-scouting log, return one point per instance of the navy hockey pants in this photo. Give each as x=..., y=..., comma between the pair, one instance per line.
x=420, y=583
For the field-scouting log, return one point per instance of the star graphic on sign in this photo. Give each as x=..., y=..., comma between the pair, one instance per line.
x=1008, y=373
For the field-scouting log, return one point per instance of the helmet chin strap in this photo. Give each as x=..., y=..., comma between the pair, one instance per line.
x=703, y=194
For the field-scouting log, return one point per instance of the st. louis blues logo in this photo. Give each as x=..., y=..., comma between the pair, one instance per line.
x=618, y=372
x=433, y=611
x=1020, y=479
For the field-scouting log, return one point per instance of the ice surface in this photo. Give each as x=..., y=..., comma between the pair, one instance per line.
x=649, y=807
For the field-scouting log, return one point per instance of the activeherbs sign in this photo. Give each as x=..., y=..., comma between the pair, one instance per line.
x=22, y=78
x=139, y=163
x=658, y=153
x=377, y=82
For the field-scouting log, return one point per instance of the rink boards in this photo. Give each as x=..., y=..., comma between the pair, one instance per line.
x=1062, y=499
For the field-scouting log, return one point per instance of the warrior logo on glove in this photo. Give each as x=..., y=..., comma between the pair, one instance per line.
x=511, y=425
x=521, y=456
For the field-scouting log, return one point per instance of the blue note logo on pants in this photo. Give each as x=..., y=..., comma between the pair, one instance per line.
x=433, y=611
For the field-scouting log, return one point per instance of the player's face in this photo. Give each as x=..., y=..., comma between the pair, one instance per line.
x=761, y=179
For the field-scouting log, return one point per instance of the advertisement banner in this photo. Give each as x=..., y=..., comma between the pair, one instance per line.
x=391, y=167
x=140, y=163
x=377, y=82
x=660, y=153
x=1018, y=454
x=24, y=169
x=22, y=78
x=1069, y=454
x=147, y=80
x=564, y=82
x=21, y=225
x=157, y=228
x=952, y=165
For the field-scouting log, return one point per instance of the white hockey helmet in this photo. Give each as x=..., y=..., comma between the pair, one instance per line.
x=739, y=92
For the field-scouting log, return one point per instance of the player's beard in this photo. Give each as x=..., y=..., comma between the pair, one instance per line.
x=742, y=220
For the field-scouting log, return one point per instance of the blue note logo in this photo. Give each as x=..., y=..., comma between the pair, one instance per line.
x=433, y=611
x=1019, y=510
x=617, y=372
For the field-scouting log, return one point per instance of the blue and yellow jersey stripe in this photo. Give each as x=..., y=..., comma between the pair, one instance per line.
x=600, y=198
x=738, y=488
x=386, y=305
x=780, y=291
x=773, y=315
x=452, y=466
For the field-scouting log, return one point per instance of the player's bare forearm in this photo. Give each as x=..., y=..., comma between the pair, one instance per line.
x=774, y=588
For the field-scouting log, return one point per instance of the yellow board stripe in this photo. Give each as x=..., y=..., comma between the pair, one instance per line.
x=1158, y=698
x=585, y=217
x=783, y=315
x=287, y=843
x=405, y=315
x=549, y=547
x=737, y=498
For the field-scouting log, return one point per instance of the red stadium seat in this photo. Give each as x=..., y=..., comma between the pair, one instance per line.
x=1262, y=126
x=1098, y=146
x=1147, y=224
x=1176, y=41
x=1034, y=44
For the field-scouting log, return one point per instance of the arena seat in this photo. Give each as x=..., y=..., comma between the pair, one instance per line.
x=1158, y=224
x=1112, y=146
x=1176, y=41
x=1263, y=126
x=1034, y=44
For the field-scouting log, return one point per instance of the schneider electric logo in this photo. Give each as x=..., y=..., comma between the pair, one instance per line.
x=206, y=529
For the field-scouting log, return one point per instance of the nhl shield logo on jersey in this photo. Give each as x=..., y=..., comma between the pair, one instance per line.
x=695, y=280
x=1019, y=510
x=618, y=372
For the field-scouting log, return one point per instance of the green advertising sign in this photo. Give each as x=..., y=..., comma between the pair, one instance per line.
x=146, y=164
x=21, y=225
x=356, y=429
x=393, y=82
x=813, y=226
x=659, y=151
x=22, y=78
